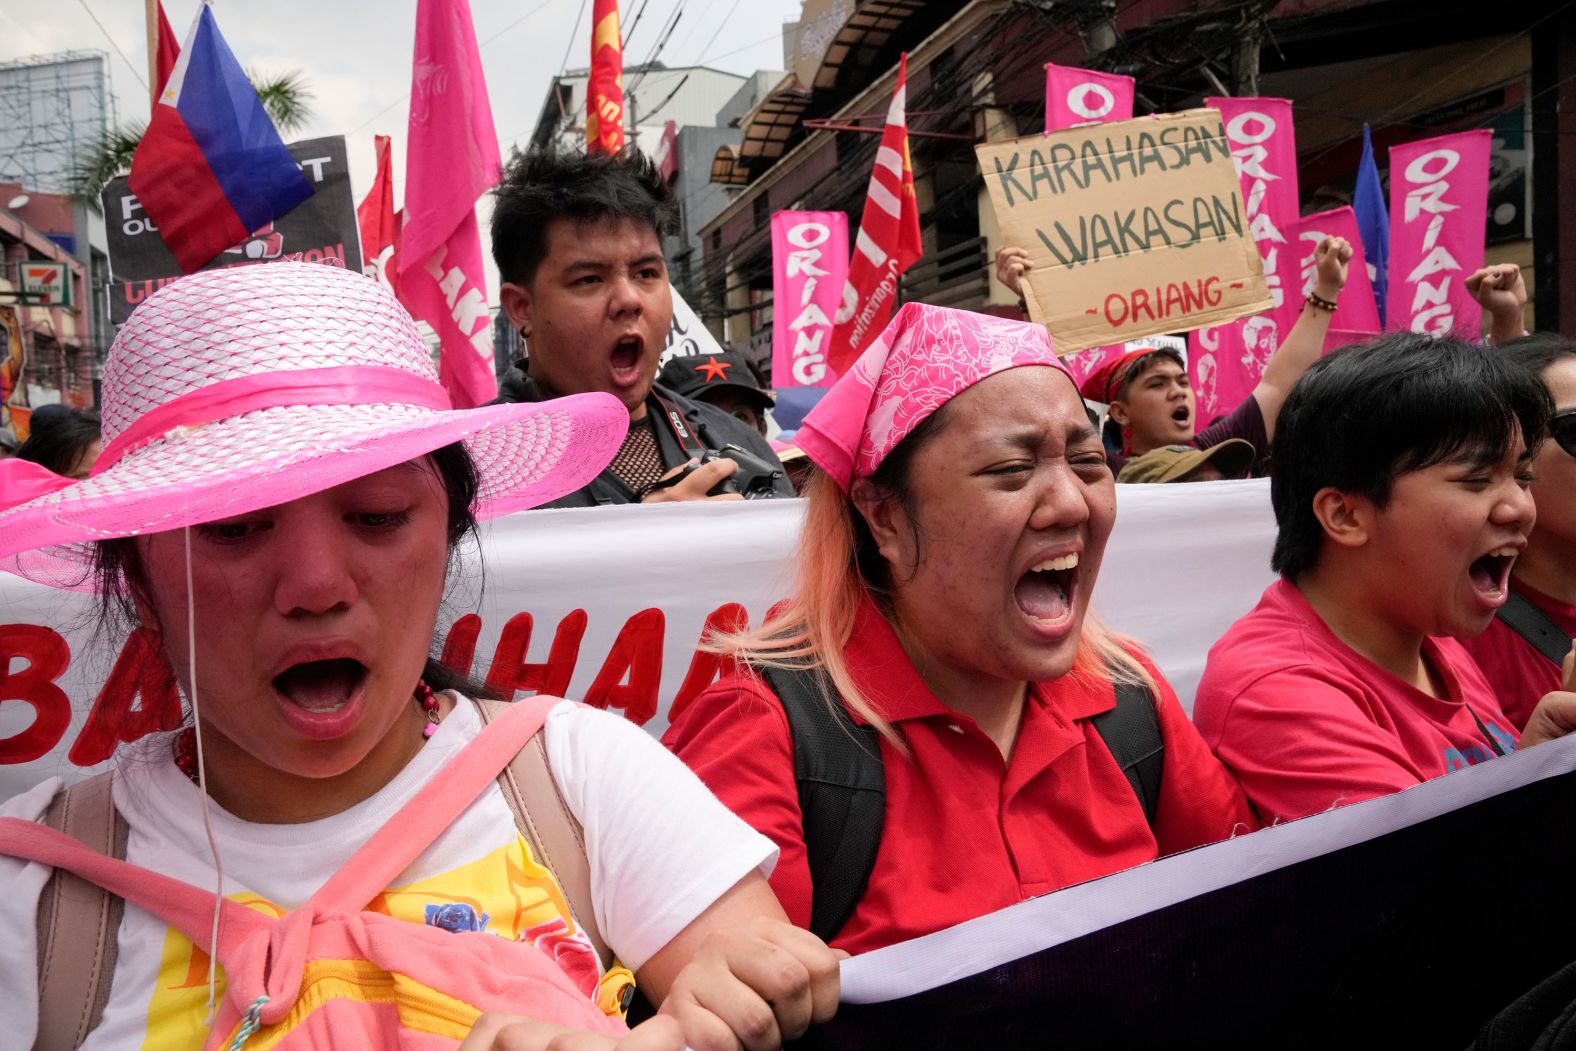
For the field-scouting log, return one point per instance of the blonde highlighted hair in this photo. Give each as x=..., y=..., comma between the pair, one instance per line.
x=836, y=560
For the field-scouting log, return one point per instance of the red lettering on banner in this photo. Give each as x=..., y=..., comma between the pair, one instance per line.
x=704, y=667
x=141, y=670
x=511, y=672
x=1165, y=301
x=459, y=645
x=637, y=653
x=47, y=655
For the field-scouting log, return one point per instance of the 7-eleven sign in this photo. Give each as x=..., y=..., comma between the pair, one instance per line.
x=46, y=283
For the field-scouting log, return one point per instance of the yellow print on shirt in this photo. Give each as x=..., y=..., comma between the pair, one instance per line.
x=504, y=893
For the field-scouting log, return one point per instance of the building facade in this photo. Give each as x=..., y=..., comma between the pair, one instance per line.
x=975, y=74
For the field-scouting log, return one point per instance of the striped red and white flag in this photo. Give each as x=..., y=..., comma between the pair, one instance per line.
x=888, y=241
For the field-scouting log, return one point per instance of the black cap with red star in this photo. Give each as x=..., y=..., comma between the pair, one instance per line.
x=700, y=374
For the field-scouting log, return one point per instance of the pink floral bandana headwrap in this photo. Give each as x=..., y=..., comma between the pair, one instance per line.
x=926, y=356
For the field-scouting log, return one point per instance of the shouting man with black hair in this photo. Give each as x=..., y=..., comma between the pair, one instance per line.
x=577, y=240
x=1400, y=495
x=1152, y=403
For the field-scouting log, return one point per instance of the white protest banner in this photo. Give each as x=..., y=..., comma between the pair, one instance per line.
x=1134, y=228
x=607, y=605
x=687, y=334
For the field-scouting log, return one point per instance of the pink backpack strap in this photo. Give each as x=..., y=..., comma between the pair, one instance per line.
x=187, y=908
x=410, y=831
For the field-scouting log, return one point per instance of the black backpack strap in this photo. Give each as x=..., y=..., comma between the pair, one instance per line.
x=842, y=793
x=1131, y=731
x=1534, y=625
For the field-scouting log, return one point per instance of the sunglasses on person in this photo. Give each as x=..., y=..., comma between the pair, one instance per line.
x=1563, y=430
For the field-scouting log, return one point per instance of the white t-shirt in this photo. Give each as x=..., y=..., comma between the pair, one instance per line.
x=661, y=850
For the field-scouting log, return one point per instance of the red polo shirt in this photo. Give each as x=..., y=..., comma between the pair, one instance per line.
x=1520, y=674
x=966, y=832
x=1307, y=723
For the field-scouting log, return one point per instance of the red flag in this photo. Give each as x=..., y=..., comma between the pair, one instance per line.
x=168, y=50
x=451, y=159
x=888, y=241
x=605, y=90
x=375, y=216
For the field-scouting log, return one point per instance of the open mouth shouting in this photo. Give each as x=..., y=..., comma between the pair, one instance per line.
x=1490, y=574
x=1046, y=593
x=322, y=699
x=626, y=358
x=1181, y=415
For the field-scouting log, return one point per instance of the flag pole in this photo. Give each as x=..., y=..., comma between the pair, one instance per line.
x=151, y=17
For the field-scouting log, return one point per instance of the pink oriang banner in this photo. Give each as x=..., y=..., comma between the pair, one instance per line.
x=809, y=269
x=451, y=159
x=1226, y=362
x=1356, y=311
x=1438, y=219
x=1077, y=96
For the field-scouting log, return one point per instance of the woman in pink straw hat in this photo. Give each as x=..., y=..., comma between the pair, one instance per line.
x=935, y=726
x=279, y=501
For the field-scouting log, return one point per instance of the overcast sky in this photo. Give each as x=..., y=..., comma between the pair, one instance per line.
x=356, y=54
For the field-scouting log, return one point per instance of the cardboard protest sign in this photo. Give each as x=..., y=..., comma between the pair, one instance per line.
x=1133, y=229
x=321, y=229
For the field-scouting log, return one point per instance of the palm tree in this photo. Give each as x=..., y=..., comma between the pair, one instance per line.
x=286, y=97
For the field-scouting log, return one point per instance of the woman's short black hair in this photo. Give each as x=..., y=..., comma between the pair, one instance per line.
x=1538, y=350
x=60, y=445
x=1367, y=414
x=543, y=185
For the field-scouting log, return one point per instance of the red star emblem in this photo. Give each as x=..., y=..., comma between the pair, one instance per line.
x=714, y=369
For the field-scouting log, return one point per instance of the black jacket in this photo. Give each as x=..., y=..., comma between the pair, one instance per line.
x=713, y=427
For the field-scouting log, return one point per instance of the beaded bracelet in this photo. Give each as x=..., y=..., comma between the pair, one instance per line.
x=1320, y=303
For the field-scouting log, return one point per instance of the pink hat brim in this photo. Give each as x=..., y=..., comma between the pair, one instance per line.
x=526, y=454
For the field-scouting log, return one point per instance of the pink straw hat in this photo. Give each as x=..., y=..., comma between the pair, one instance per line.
x=234, y=390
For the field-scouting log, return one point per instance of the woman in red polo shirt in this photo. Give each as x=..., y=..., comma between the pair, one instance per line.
x=951, y=542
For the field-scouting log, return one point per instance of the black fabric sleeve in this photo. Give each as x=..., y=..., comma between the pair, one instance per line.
x=1246, y=421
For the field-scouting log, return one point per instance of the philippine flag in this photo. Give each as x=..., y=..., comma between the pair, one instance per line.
x=211, y=167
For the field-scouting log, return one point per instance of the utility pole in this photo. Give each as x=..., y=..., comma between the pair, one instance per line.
x=151, y=17
x=1245, y=60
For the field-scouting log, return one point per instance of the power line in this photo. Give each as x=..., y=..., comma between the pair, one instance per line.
x=629, y=34
x=1453, y=74
x=572, y=34
x=146, y=90
x=714, y=36
x=662, y=42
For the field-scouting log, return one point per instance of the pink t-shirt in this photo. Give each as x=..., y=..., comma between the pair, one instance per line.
x=1519, y=674
x=1307, y=723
